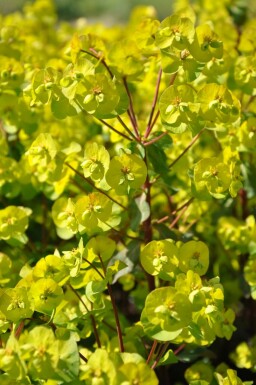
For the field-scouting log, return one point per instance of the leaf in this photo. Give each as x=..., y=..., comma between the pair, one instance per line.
x=158, y=160
x=140, y=211
x=94, y=289
x=168, y=358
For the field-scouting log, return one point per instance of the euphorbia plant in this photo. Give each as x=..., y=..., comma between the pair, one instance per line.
x=127, y=196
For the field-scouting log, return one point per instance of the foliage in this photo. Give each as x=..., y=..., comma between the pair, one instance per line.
x=127, y=211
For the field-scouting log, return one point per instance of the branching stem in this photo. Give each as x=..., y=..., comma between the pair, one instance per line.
x=149, y=126
x=95, y=331
x=187, y=148
x=114, y=129
x=155, y=139
x=131, y=112
x=160, y=355
x=112, y=298
x=92, y=52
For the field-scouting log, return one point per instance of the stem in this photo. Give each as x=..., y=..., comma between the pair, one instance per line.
x=187, y=148
x=155, y=119
x=184, y=205
x=149, y=126
x=44, y=232
x=244, y=203
x=158, y=112
x=178, y=217
x=96, y=55
x=131, y=119
x=95, y=331
x=96, y=188
x=127, y=129
x=160, y=355
x=108, y=125
x=152, y=351
x=19, y=329
x=147, y=226
x=249, y=102
x=112, y=298
x=187, y=203
x=118, y=326
x=114, y=129
x=83, y=357
x=181, y=347
x=155, y=139
x=131, y=109
x=94, y=267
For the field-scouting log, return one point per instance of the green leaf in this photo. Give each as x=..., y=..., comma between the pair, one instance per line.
x=168, y=358
x=158, y=159
x=140, y=211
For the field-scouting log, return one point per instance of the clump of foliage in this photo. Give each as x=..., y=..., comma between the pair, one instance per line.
x=127, y=227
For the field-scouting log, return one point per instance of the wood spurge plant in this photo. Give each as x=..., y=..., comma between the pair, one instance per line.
x=128, y=192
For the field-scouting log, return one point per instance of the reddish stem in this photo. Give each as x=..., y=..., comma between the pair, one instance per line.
x=187, y=148
x=114, y=129
x=131, y=109
x=96, y=188
x=147, y=226
x=155, y=139
x=95, y=331
x=149, y=126
x=181, y=347
x=113, y=302
x=152, y=351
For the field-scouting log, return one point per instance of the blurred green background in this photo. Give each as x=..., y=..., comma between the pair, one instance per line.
x=111, y=10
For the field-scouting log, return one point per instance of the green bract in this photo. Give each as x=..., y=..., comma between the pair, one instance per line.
x=98, y=95
x=15, y=304
x=165, y=314
x=160, y=258
x=13, y=223
x=175, y=32
x=92, y=210
x=63, y=214
x=126, y=172
x=178, y=108
x=46, y=295
x=218, y=104
x=206, y=44
x=96, y=161
x=212, y=176
x=99, y=247
x=194, y=256
x=51, y=267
